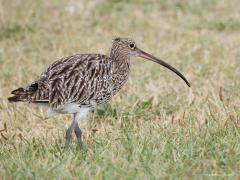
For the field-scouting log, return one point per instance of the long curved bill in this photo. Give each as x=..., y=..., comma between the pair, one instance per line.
x=145, y=55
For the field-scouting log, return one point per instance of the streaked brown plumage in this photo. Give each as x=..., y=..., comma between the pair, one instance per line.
x=76, y=83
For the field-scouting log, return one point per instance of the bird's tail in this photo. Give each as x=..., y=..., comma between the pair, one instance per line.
x=19, y=95
x=23, y=94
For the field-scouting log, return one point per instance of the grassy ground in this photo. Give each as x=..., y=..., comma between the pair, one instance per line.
x=156, y=127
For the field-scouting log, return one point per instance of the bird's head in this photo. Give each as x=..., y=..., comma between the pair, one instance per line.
x=127, y=47
x=124, y=46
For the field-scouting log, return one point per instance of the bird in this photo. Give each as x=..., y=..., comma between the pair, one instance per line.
x=81, y=82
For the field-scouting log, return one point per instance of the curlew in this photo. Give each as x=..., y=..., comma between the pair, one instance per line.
x=77, y=83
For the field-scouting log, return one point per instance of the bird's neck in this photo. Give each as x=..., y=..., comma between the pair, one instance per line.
x=120, y=59
x=121, y=67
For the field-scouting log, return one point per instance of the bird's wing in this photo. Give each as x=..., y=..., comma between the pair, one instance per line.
x=75, y=79
x=72, y=79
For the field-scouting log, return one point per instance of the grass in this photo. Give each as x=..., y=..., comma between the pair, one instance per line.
x=156, y=127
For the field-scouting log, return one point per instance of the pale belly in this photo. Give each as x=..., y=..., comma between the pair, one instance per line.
x=69, y=108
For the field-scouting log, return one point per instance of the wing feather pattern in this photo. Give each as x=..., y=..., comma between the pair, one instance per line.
x=82, y=78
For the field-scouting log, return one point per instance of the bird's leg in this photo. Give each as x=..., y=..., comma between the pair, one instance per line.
x=78, y=134
x=76, y=116
x=68, y=134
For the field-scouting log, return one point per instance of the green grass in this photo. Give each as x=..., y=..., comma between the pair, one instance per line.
x=156, y=127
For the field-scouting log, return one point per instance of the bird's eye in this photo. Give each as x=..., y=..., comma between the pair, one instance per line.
x=132, y=45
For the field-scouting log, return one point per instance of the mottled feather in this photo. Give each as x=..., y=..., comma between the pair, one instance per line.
x=85, y=79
